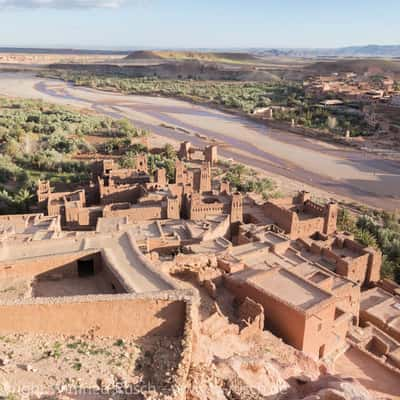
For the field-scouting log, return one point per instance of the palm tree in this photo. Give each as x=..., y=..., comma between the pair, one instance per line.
x=23, y=199
x=366, y=238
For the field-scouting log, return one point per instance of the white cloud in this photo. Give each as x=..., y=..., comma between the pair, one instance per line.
x=61, y=3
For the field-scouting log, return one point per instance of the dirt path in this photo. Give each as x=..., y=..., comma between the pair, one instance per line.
x=376, y=378
x=336, y=169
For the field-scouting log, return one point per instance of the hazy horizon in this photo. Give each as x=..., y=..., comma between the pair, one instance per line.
x=177, y=24
x=154, y=48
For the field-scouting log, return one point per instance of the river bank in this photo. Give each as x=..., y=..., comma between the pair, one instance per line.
x=341, y=172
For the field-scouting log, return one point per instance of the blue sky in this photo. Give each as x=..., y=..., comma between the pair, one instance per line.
x=198, y=23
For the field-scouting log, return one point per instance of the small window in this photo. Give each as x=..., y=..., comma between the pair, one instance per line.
x=321, y=351
x=85, y=268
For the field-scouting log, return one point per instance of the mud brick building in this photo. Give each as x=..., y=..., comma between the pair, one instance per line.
x=188, y=153
x=304, y=314
x=300, y=216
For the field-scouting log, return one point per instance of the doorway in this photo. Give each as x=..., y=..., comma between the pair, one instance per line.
x=321, y=351
x=85, y=268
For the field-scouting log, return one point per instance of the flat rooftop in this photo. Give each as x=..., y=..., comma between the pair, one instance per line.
x=345, y=252
x=383, y=306
x=119, y=248
x=286, y=286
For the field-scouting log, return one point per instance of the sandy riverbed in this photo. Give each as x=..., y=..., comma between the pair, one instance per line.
x=335, y=169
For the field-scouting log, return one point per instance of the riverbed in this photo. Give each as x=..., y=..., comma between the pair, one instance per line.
x=337, y=169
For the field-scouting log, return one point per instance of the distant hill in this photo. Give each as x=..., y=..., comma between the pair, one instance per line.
x=229, y=57
x=351, y=51
x=185, y=69
x=29, y=50
x=143, y=55
x=372, y=66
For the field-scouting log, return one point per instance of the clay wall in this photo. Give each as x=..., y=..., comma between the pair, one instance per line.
x=281, y=319
x=59, y=267
x=365, y=317
x=355, y=270
x=307, y=227
x=160, y=178
x=173, y=208
x=314, y=209
x=348, y=299
x=281, y=217
x=184, y=151
x=251, y=312
x=143, y=140
x=390, y=286
x=202, y=211
x=162, y=245
x=21, y=220
x=113, y=316
x=211, y=154
x=378, y=361
x=204, y=178
x=373, y=261
x=137, y=213
x=318, y=219
x=43, y=192
x=318, y=332
x=115, y=194
x=222, y=230
x=28, y=268
x=330, y=217
x=307, y=331
x=373, y=274
x=225, y=187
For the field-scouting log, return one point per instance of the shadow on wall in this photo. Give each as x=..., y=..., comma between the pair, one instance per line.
x=84, y=276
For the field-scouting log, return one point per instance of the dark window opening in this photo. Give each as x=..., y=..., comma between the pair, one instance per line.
x=322, y=351
x=85, y=268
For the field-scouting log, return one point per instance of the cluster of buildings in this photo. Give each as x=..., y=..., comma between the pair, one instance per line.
x=283, y=260
x=351, y=86
x=378, y=97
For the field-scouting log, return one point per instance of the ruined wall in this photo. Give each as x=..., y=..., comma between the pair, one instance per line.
x=28, y=268
x=367, y=267
x=348, y=299
x=319, y=332
x=252, y=313
x=162, y=245
x=222, y=230
x=314, y=209
x=199, y=210
x=373, y=274
x=330, y=218
x=281, y=319
x=365, y=317
x=390, y=286
x=114, y=316
x=354, y=269
x=60, y=267
x=115, y=194
x=281, y=217
x=135, y=214
x=307, y=227
x=211, y=154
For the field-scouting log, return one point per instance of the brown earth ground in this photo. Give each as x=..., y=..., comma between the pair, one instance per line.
x=47, y=364
x=373, y=376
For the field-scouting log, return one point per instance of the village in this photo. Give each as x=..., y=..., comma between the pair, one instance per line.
x=129, y=255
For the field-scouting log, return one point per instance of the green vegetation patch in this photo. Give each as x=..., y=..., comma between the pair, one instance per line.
x=289, y=98
x=39, y=140
x=380, y=230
